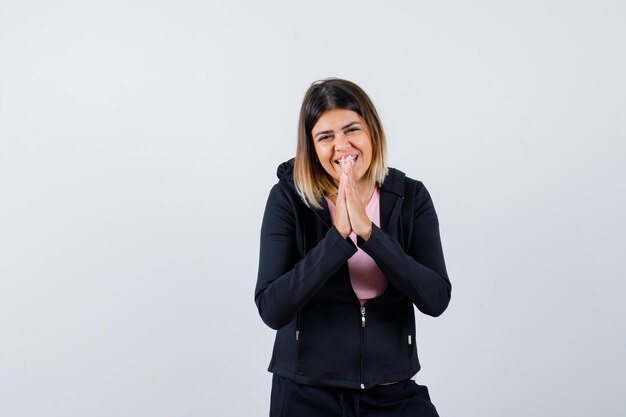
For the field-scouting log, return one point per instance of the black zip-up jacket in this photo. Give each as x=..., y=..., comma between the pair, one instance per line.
x=303, y=288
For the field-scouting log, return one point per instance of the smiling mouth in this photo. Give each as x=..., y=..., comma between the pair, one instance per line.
x=349, y=159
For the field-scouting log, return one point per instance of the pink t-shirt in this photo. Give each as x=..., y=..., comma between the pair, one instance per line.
x=367, y=279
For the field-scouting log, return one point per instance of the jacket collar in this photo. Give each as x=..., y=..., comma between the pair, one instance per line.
x=394, y=182
x=391, y=194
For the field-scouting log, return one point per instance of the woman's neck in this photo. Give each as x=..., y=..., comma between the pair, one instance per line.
x=366, y=191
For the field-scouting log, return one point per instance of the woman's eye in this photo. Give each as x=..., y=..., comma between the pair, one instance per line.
x=322, y=138
x=354, y=129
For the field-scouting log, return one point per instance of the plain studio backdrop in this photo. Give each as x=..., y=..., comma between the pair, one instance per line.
x=139, y=141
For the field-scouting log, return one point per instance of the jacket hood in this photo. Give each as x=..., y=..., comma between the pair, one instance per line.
x=285, y=171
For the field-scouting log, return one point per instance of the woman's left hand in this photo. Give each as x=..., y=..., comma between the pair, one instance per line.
x=360, y=222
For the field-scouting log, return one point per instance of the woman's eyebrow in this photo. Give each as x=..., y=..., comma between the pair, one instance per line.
x=350, y=125
x=323, y=132
x=343, y=128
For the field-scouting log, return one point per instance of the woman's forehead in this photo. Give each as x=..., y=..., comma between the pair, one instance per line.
x=336, y=119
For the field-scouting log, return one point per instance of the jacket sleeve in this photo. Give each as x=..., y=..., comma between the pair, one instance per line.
x=419, y=271
x=285, y=282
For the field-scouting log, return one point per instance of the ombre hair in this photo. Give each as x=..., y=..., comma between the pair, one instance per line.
x=311, y=180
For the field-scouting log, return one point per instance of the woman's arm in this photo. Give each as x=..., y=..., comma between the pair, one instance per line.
x=285, y=283
x=420, y=270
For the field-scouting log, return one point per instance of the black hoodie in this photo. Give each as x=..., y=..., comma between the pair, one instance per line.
x=303, y=287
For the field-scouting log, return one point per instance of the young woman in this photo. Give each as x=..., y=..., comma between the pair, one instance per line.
x=348, y=246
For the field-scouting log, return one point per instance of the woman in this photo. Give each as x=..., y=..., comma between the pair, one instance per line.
x=348, y=246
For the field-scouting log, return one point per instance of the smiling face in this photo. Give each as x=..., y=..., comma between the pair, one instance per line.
x=342, y=133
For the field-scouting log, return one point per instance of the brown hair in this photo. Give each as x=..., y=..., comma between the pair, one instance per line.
x=311, y=180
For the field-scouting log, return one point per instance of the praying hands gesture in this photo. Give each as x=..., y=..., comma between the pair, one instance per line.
x=350, y=215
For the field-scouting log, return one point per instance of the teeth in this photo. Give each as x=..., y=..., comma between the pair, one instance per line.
x=349, y=159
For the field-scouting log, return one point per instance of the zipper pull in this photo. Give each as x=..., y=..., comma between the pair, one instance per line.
x=362, y=316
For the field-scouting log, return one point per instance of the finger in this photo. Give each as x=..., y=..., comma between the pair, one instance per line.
x=341, y=184
x=341, y=191
x=342, y=180
x=345, y=185
x=342, y=220
x=344, y=172
x=351, y=176
x=350, y=188
x=345, y=165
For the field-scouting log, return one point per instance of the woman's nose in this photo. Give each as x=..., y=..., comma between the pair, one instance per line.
x=342, y=143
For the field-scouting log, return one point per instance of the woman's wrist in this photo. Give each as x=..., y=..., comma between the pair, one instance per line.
x=343, y=233
x=365, y=235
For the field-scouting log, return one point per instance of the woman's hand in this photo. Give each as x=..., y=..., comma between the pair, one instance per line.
x=342, y=220
x=360, y=223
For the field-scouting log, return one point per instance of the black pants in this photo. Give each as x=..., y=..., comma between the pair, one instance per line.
x=406, y=398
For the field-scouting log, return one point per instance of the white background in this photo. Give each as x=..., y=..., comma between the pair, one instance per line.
x=139, y=140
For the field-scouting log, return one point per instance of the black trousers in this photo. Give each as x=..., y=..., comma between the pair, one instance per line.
x=406, y=398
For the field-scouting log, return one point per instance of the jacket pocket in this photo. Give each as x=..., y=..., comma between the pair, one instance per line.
x=328, y=345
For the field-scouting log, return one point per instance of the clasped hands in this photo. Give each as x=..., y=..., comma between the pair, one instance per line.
x=350, y=215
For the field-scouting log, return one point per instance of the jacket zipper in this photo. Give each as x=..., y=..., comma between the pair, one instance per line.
x=362, y=316
x=362, y=343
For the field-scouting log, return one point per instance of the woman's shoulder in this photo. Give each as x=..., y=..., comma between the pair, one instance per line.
x=284, y=190
x=399, y=183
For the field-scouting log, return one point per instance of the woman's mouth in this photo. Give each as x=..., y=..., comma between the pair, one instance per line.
x=351, y=159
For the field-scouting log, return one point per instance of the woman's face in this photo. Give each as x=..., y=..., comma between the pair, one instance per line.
x=342, y=133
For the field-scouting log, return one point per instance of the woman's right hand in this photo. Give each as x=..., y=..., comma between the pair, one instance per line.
x=342, y=220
